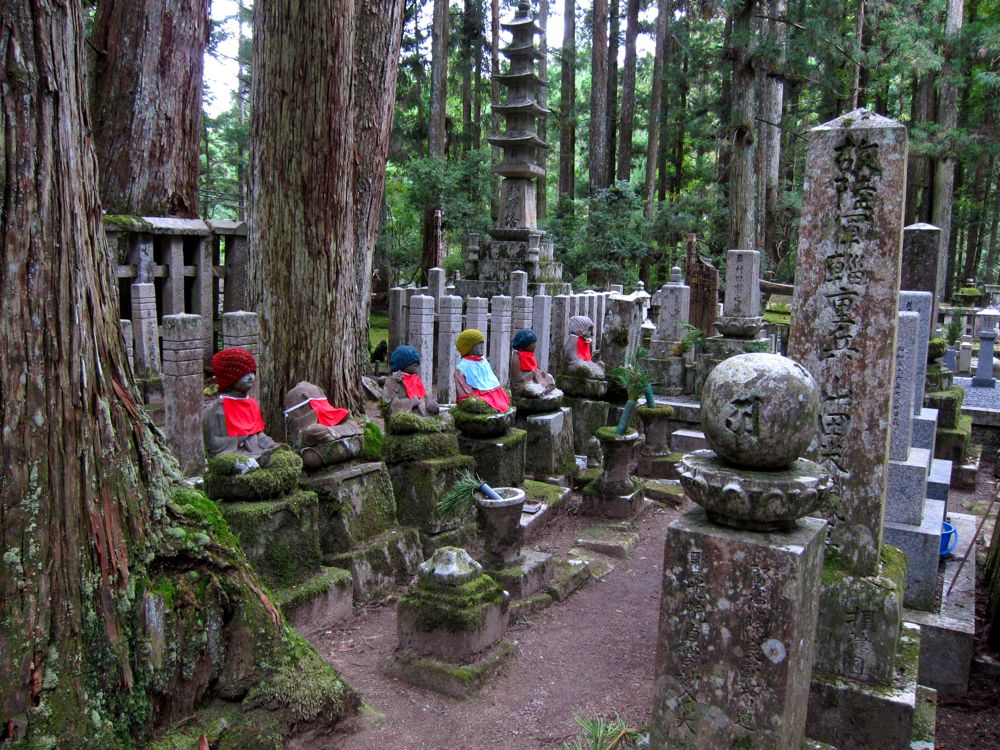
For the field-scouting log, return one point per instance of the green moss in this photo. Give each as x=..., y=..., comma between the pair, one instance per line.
x=936, y=349
x=417, y=447
x=457, y=609
x=894, y=565
x=223, y=482
x=778, y=317
x=968, y=292
x=372, y=450
x=756, y=346
x=196, y=507
x=611, y=433
x=835, y=567
x=408, y=423
x=330, y=578
x=664, y=412
x=543, y=492
x=475, y=405
x=126, y=223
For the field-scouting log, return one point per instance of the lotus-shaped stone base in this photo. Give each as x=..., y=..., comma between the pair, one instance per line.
x=483, y=425
x=742, y=498
x=538, y=405
x=738, y=327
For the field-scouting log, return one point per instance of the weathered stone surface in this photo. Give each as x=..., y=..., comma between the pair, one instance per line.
x=501, y=308
x=674, y=300
x=549, y=449
x=921, y=543
x=355, y=504
x=984, y=364
x=921, y=303
x=846, y=299
x=183, y=384
x=622, y=325
x=146, y=331
x=588, y=416
x=862, y=615
x=321, y=602
x=449, y=326
x=500, y=524
x=443, y=677
x=420, y=335
x=904, y=501
x=759, y=410
x=499, y=461
x=381, y=563
x=761, y=500
x=419, y=485
x=242, y=329
x=597, y=501
x=737, y=621
x=922, y=266
x=901, y=426
x=525, y=576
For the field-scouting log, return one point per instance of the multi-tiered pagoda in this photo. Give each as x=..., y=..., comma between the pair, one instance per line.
x=517, y=244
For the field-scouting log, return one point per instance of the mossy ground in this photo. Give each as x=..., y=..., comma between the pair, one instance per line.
x=408, y=423
x=543, y=492
x=663, y=412
x=611, y=433
x=303, y=593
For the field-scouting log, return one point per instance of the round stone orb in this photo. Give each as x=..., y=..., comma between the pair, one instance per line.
x=759, y=410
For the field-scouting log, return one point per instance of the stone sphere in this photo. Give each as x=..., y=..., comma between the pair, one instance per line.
x=759, y=410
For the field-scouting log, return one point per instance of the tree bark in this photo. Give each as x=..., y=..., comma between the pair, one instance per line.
x=628, y=92
x=147, y=104
x=677, y=177
x=314, y=197
x=437, y=134
x=742, y=173
x=90, y=520
x=598, y=163
x=567, y=107
x=468, y=61
x=614, y=36
x=992, y=273
x=773, y=90
x=655, y=107
x=944, y=168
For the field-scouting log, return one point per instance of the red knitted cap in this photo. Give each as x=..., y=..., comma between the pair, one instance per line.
x=230, y=365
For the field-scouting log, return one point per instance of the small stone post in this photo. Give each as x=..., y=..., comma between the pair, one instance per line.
x=560, y=329
x=901, y=429
x=242, y=329
x=518, y=283
x=541, y=321
x=436, y=283
x=173, y=285
x=397, y=317
x=499, y=341
x=449, y=326
x=988, y=318
x=921, y=303
x=183, y=384
x=521, y=314
x=421, y=335
x=146, y=331
x=477, y=315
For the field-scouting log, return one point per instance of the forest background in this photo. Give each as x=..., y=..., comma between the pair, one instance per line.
x=705, y=107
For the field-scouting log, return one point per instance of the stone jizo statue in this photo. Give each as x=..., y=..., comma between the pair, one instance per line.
x=404, y=389
x=233, y=422
x=322, y=434
x=577, y=352
x=526, y=380
x=474, y=376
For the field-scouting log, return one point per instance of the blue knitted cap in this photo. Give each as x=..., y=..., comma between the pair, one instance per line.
x=523, y=337
x=402, y=357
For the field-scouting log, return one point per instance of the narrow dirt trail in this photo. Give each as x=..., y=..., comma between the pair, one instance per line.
x=592, y=655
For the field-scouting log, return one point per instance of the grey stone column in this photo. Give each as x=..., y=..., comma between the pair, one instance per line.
x=919, y=271
x=560, y=329
x=449, y=326
x=984, y=367
x=477, y=315
x=146, y=331
x=421, y=335
x=173, y=286
x=436, y=283
x=901, y=428
x=125, y=326
x=521, y=315
x=183, y=383
x=921, y=303
x=242, y=330
x=518, y=283
x=397, y=317
x=541, y=323
x=499, y=340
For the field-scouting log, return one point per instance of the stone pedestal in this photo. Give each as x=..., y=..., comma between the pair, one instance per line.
x=499, y=461
x=984, y=366
x=183, y=384
x=737, y=622
x=419, y=485
x=615, y=493
x=654, y=426
x=525, y=576
x=588, y=416
x=550, y=447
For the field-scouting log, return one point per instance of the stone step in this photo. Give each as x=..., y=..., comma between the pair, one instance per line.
x=599, y=565
x=684, y=411
x=947, y=636
x=607, y=540
x=318, y=603
x=665, y=491
x=550, y=498
x=939, y=480
x=963, y=477
x=687, y=441
x=386, y=561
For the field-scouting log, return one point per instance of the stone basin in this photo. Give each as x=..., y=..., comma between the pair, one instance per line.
x=543, y=405
x=500, y=524
x=743, y=498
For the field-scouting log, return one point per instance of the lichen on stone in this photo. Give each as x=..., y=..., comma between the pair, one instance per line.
x=224, y=482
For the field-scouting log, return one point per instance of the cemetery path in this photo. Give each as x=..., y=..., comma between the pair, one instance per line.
x=591, y=655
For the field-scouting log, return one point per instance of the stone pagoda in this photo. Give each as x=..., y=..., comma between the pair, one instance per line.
x=517, y=243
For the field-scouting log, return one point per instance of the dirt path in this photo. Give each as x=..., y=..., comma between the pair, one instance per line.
x=590, y=655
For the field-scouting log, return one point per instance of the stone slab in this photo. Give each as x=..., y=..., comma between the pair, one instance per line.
x=607, y=541
x=921, y=545
x=846, y=299
x=356, y=503
x=948, y=635
x=498, y=461
x=855, y=716
x=321, y=602
x=457, y=681
x=738, y=614
x=903, y=384
x=526, y=577
x=600, y=565
x=907, y=487
x=939, y=480
x=569, y=574
x=419, y=485
x=659, y=467
x=597, y=503
x=925, y=429
x=665, y=491
x=688, y=441
x=921, y=303
x=388, y=560
x=588, y=415
x=550, y=442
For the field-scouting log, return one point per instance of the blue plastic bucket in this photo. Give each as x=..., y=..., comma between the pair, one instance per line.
x=949, y=538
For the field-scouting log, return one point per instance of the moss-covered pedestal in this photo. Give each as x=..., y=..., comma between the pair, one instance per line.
x=521, y=572
x=357, y=526
x=550, y=447
x=499, y=461
x=279, y=529
x=588, y=416
x=616, y=493
x=450, y=626
x=424, y=462
x=654, y=426
x=953, y=440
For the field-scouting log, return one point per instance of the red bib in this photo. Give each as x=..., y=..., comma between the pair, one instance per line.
x=583, y=349
x=497, y=398
x=528, y=362
x=414, y=385
x=327, y=415
x=243, y=416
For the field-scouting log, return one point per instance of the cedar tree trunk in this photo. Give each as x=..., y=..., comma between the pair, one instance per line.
x=628, y=92
x=598, y=175
x=567, y=108
x=147, y=104
x=742, y=167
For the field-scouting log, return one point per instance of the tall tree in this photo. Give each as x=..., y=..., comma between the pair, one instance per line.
x=655, y=103
x=598, y=165
x=628, y=92
x=437, y=132
x=944, y=168
x=147, y=104
x=567, y=107
x=314, y=196
x=769, y=152
x=101, y=563
x=742, y=121
x=614, y=38
x=541, y=190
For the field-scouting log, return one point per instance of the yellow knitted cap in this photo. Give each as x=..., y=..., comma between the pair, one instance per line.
x=468, y=339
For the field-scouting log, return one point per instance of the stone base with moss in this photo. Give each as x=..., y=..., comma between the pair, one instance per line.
x=668, y=374
x=223, y=480
x=385, y=561
x=549, y=443
x=598, y=502
x=499, y=461
x=527, y=576
x=665, y=492
x=323, y=600
x=279, y=537
x=948, y=404
x=420, y=485
x=588, y=416
x=456, y=680
x=464, y=536
x=952, y=444
x=659, y=467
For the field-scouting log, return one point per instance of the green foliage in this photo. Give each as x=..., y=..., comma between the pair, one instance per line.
x=694, y=338
x=461, y=497
x=956, y=326
x=601, y=734
x=936, y=349
x=372, y=449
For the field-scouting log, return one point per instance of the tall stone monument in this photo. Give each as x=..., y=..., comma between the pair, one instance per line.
x=517, y=243
x=844, y=333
